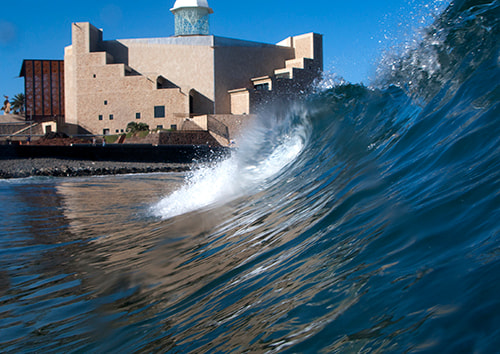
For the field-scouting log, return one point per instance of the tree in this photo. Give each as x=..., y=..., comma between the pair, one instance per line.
x=17, y=103
x=134, y=127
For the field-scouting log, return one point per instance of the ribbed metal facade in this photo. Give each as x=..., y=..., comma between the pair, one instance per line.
x=44, y=89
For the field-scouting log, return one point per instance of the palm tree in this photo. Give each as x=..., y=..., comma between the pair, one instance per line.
x=17, y=103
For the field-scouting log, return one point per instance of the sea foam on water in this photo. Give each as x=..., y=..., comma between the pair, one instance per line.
x=262, y=153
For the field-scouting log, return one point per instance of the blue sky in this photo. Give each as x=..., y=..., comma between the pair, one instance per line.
x=355, y=32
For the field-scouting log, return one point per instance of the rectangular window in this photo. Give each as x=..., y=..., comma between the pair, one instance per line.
x=111, y=117
x=283, y=76
x=138, y=115
x=159, y=111
x=173, y=127
x=105, y=131
x=105, y=102
x=159, y=127
x=262, y=87
x=100, y=116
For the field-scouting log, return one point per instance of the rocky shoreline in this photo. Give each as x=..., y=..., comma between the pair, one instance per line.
x=28, y=167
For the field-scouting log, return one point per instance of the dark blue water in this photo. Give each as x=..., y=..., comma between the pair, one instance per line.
x=356, y=220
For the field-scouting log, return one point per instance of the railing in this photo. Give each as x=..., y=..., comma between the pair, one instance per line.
x=7, y=129
x=217, y=127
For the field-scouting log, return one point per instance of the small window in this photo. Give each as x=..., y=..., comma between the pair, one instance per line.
x=283, y=76
x=117, y=130
x=138, y=115
x=159, y=111
x=105, y=132
x=105, y=102
x=100, y=116
x=173, y=127
x=262, y=87
x=121, y=131
x=111, y=117
x=159, y=127
x=94, y=76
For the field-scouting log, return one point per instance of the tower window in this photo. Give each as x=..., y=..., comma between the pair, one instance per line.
x=100, y=116
x=138, y=115
x=105, y=102
x=111, y=117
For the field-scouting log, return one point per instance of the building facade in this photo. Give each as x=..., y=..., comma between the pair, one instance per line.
x=43, y=89
x=165, y=81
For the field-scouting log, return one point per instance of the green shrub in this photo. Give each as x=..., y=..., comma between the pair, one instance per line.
x=110, y=139
x=134, y=127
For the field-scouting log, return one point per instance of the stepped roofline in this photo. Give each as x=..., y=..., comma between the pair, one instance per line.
x=200, y=40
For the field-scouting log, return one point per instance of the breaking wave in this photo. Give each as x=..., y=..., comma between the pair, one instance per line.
x=367, y=215
x=357, y=219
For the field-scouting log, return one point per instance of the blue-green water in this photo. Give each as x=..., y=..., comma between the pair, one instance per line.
x=357, y=220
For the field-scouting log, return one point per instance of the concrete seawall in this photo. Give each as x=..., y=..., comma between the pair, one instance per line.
x=115, y=152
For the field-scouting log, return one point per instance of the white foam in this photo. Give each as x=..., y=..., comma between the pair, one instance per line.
x=262, y=154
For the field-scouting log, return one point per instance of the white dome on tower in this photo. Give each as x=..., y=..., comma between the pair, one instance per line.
x=191, y=3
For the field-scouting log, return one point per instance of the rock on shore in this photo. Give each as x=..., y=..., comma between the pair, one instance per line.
x=18, y=168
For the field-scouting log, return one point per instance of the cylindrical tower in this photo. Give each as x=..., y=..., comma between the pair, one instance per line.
x=191, y=17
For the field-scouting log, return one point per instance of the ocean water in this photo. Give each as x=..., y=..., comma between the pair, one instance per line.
x=354, y=219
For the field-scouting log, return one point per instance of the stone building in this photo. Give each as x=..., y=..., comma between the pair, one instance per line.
x=192, y=76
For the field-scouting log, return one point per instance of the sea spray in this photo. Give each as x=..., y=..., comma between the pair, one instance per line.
x=268, y=146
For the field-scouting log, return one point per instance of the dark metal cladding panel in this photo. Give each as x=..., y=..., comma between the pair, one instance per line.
x=29, y=88
x=44, y=88
x=61, y=91
x=47, y=89
x=38, y=89
x=55, y=87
